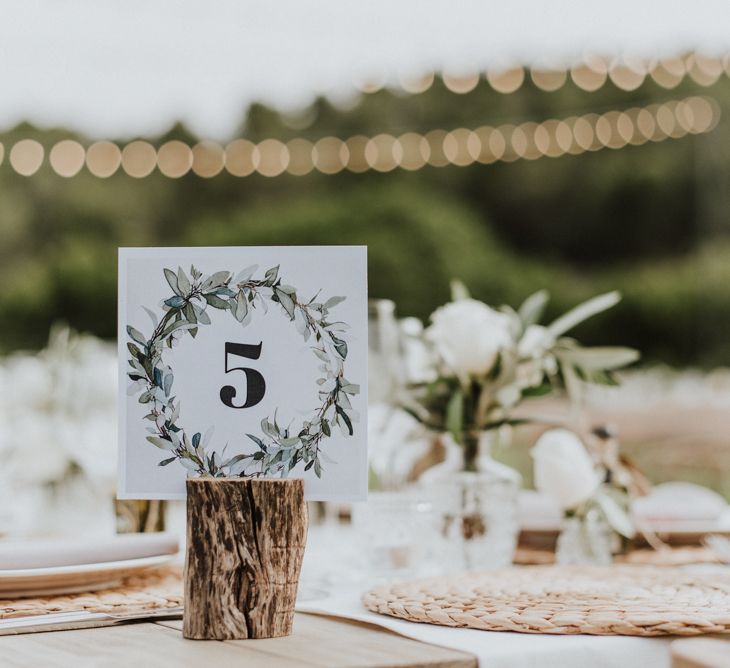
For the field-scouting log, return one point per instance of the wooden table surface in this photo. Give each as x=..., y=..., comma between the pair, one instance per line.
x=316, y=641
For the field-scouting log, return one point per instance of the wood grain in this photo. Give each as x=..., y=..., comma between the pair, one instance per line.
x=245, y=544
x=339, y=643
x=317, y=642
x=133, y=645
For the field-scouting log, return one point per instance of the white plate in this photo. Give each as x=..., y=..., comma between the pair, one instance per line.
x=17, y=583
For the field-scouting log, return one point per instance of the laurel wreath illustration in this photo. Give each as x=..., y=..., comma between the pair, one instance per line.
x=278, y=450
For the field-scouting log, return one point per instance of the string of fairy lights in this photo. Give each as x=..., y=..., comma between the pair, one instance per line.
x=383, y=153
x=593, y=73
x=411, y=151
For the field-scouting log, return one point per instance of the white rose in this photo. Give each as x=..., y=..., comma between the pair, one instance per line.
x=468, y=335
x=563, y=468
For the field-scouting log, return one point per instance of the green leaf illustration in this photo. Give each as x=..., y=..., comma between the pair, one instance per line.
x=161, y=443
x=280, y=448
x=136, y=335
x=172, y=280
x=346, y=418
x=215, y=301
x=333, y=301
x=183, y=282
x=241, y=307
x=175, y=302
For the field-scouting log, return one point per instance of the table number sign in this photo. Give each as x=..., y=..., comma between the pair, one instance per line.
x=243, y=362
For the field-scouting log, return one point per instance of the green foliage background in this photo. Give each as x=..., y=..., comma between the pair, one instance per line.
x=650, y=220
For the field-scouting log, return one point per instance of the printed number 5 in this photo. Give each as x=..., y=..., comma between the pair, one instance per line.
x=255, y=384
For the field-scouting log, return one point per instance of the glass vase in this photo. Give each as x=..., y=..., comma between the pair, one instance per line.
x=586, y=540
x=396, y=535
x=474, y=501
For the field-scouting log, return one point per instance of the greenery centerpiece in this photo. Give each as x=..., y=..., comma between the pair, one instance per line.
x=482, y=363
x=479, y=365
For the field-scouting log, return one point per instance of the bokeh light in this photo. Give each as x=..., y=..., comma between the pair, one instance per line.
x=415, y=150
x=589, y=76
x=270, y=157
x=625, y=127
x=103, y=159
x=462, y=147
x=548, y=80
x=583, y=133
x=704, y=70
x=646, y=123
x=627, y=74
x=606, y=130
x=506, y=80
x=372, y=83
x=436, y=156
x=67, y=158
x=506, y=131
x=564, y=136
x=383, y=153
x=416, y=84
x=26, y=157
x=668, y=72
x=174, y=159
x=300, y=157
x=330, y=155
x=704, y=113
x=139, y=159
x=546, y=140
x=461, y=82
x=356, y=161
x=239, y=157
x=491, y=144
x=209, y=159
x=637, y=136
x=665, y=120
x=523, y=141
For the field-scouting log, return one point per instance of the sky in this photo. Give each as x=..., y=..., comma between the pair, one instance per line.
x=118, y=69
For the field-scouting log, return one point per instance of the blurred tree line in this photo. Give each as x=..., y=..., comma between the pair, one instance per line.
x=650, y=220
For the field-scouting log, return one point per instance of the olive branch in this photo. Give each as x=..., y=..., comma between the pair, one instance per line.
x=278, y=449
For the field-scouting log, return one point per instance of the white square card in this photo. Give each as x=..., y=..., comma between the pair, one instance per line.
x=243, y=361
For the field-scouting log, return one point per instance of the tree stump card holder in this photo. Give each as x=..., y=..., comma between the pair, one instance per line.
x=245, y=544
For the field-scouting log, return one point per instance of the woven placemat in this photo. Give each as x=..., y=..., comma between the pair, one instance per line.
x=617, y=600
x=146, y=591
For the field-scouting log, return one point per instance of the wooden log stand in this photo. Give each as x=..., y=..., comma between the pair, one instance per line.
x=245, y=544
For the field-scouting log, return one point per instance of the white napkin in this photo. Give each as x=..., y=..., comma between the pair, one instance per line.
x=21, y=554
x=669, y=505
x=537, y=511
x=679, y=502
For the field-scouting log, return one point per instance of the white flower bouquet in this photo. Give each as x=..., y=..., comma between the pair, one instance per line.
x=477, y=363
x=58, y=442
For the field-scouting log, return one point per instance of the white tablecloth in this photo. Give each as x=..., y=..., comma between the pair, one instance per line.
x=509, y=650
x=334, y=576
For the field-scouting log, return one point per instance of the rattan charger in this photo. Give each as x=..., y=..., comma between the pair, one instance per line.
x=617, y=600
x=149, y=590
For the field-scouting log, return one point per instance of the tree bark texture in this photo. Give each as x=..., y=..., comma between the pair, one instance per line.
x=245, y=544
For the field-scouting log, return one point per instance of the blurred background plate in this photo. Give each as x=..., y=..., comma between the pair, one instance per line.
x=17, y=583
